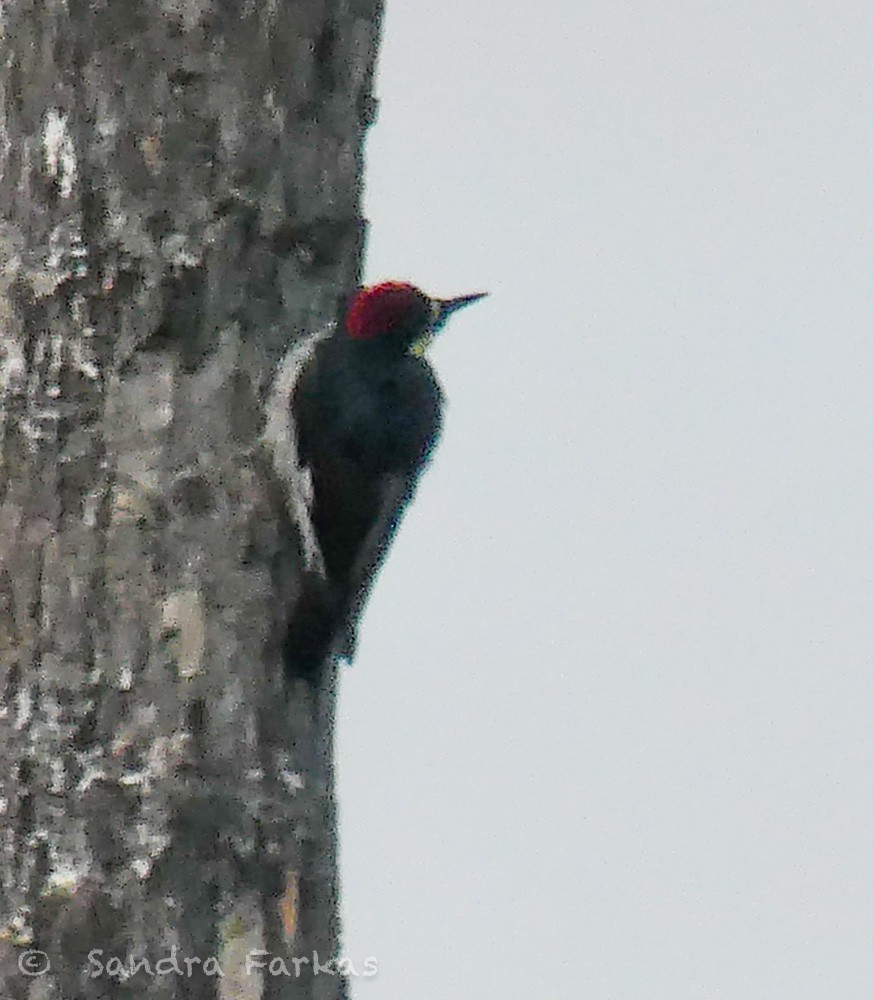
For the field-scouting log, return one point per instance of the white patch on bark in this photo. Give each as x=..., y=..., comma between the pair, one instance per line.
x=17, y=929
x=67, y=258
x=106, y=121
x=277, y=113
x=81, y=348
x=23, y=708
x=165, y=755
x=175, y=251
x=91, y=507
x=182, y=614
x=65, y=875
x=40, y=423
x=60, y=153
x=5, y=141
x=146, y=401
x=242, y=948
x=59, y=776
x=280, y=437
x=13, y=369
x=189, y=12
x=56, y=363
x=152, y=844
x=91, y=775
x=292, y=780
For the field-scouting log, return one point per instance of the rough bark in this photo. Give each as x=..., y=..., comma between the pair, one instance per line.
x=179, y=202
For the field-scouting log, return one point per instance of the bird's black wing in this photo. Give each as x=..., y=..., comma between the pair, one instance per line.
x=362, y=475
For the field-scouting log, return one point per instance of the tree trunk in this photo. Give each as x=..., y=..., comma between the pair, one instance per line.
x=179, y=186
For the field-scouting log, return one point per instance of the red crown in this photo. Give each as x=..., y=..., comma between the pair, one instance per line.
x=380, y=308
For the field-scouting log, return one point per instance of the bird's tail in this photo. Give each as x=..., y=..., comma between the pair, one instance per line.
x=317, y=620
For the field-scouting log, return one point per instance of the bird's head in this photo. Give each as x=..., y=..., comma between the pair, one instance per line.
x=400, y=314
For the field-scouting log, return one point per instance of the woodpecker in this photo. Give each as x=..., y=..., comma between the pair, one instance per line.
x=366, y=409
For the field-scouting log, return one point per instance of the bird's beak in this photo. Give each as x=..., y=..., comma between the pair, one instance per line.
x=442, y=309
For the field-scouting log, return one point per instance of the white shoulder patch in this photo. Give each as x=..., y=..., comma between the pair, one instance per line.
x=280, y=437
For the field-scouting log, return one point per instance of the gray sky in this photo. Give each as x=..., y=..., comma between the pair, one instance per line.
x=610, y=732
